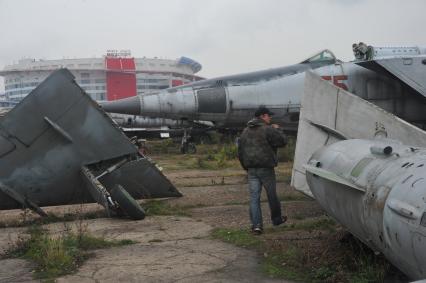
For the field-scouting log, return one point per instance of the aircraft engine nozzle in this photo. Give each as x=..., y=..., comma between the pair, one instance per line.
x=129, y=106
x=381, y=150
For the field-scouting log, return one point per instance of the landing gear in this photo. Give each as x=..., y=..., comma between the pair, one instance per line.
x=117, y=202
x=127, y=203
x=187, y=144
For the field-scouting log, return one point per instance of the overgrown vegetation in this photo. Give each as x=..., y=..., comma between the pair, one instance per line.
x=286, y=154
x=158, y=207
x=213, y=157
x=222, y=154
x=219, y=157
x=57, y=255
x=162, y=146
x=237, y=237
x=300, y=259
x=320, y=223
x=28, y=218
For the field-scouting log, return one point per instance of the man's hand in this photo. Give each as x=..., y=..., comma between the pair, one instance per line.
x=275, y=126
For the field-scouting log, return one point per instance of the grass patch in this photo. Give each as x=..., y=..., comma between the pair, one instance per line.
x=157, y=207
x=285, y=265
x=295, y=263
x=237, y=202
x=27, y=220
x=165, y=146
x=285, y=178
x=238, y=237
x=209, y=157
x=310, y=260
x=60, y=255
x=367, y=267
x=295, y=196
x=322, y=223
x=286, y=154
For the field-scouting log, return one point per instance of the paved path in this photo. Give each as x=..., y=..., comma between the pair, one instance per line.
x=169, y=249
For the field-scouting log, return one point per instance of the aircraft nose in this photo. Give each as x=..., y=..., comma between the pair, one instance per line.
x=130, y=105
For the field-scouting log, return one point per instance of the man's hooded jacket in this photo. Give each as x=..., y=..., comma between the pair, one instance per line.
x=257, y=146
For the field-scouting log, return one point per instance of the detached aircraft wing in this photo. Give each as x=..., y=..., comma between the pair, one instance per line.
x=57, y=146
x=409, y=69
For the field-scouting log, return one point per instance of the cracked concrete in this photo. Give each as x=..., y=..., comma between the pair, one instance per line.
x=168, y=249
x=15, y=270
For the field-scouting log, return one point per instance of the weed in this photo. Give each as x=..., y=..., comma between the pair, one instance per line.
x=323, y=273
x=58, y=255
x=365, y=265
x=286, y=153
x=156, y=207
x=88, y=242
x=227, y=152
x=237, y=202
x=285, y=265
x=238, y=237
x=302, y=261
x=52, y=218
x=322, y=223
x=284, y=178
x=295, y=196
x=165, y=146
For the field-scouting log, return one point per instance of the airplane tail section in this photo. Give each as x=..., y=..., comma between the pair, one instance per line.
x=329, y=114
x=402, y=69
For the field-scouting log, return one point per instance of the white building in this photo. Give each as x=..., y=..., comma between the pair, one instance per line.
x=114, y=76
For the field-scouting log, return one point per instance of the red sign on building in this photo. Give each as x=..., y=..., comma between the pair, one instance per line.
x=177, y=83
x=120, y=77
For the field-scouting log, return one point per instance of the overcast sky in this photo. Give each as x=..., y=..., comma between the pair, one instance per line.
x=225, y=36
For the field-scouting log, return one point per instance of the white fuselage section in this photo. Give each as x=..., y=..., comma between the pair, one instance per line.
x=380, y=198
x=236, y=103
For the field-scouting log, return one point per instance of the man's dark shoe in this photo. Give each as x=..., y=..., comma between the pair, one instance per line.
x=280, y=221
x=257, y=231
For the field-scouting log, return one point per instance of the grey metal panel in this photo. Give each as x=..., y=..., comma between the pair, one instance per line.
x=6, y=146
x=141, y=179
x=386, y=215
x=410, y=70
x=43, y=102
x=129, y=105
x=48, y=169
x=212, y=100
x=325, y=104
x=252, y=77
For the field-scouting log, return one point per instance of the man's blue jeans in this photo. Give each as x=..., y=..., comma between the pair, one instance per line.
x=258, y=177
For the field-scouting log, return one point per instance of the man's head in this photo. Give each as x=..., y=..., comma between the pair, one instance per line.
x=264, y=114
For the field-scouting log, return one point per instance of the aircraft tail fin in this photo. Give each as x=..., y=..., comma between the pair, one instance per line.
x=329, y=114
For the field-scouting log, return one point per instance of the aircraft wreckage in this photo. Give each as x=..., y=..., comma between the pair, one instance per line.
x=57, y=146
x=366, y=168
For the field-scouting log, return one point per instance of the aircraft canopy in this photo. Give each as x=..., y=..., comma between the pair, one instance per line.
x=322, y=56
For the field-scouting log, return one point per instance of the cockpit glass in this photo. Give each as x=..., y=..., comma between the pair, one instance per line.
x=325, y=55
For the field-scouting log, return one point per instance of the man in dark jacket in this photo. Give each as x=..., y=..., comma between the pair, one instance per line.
x=257, y=152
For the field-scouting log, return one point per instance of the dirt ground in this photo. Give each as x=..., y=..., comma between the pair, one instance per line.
x=180, y=248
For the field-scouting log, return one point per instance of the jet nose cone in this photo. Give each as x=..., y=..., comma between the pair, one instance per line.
x=130, y=105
